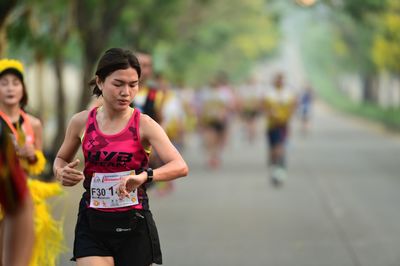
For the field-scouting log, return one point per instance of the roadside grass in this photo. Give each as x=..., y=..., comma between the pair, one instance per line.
x=326, y=90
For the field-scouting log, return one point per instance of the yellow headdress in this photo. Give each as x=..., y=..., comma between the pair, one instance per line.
x=11, y=64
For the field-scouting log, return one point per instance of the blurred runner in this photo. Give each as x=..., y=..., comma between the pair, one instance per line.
x=279, y=105
x=150, y=97
x=173, y=122
x=305, y=108
x=151, y=93
x=27, y=137
x=190, y=107
x=174, y=116
x=16, y=205
x=249, y=97
x=217, y=105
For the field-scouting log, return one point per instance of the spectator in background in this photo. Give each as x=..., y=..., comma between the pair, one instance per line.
x=217, y=105
x=27, y=137
x=150, y=97
x=248, y=96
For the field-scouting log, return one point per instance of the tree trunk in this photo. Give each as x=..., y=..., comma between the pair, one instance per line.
x=370, y=88
x=88, y=66
x=3, y=41
x=51, y=152
x=40, y=110
x=60, y=100
x=5, y=9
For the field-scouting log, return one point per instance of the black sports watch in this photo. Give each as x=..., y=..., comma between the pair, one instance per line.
x=149, y=175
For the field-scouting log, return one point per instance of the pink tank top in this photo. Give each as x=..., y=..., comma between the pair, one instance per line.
x=114, y=153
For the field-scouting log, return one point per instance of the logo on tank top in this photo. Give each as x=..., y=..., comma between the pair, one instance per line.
x=109, y=158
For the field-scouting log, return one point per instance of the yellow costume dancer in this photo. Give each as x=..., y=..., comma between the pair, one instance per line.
x=49, y=240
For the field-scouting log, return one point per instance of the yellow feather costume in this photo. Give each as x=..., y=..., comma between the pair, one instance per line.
x=49, y=237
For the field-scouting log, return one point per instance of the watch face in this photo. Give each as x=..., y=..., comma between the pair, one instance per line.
x=149, y=175
x=150, y=172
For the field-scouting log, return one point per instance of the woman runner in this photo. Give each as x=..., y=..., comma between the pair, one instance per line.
x=115, y=225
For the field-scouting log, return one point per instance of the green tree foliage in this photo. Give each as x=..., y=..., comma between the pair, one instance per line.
x=386, y=46
x=151, y=22
x=219, y=36
x=40, y=28
x=187, y=37
x=360, y=10
x=353, y=24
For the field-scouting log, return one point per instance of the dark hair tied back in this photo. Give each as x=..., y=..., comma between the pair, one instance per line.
x=112, y=60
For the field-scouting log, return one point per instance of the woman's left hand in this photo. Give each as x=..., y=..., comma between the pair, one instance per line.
x=130, y=183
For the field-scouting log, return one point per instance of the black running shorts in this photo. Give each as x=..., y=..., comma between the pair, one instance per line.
x=141, y=247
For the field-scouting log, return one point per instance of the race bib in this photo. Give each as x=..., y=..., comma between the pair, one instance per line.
x=103, y=191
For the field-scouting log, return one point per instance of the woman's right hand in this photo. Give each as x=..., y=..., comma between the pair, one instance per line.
x=26, y=151
x=68, y=175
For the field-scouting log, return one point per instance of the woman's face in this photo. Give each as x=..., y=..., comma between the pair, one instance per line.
x=120, y=88
x=11, y=90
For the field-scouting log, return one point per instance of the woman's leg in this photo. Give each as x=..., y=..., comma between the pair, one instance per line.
x=95, y=261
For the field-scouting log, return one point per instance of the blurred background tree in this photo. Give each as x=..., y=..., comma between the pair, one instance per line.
x=348, y=52
x=352, y=25
x=6, y=8
x=386, y=44
x=219, y=36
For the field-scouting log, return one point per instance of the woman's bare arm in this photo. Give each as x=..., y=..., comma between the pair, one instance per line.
x=64, y=166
